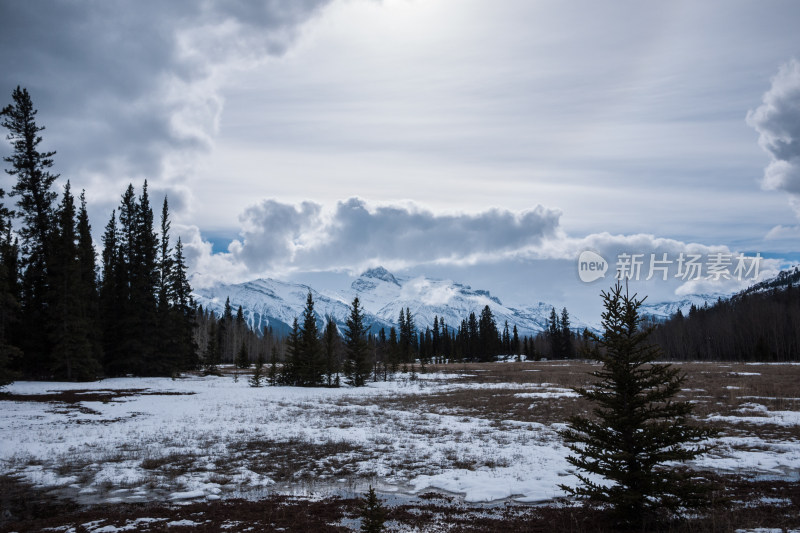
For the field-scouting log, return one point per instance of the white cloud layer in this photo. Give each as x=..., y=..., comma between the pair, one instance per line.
x=278, y=238
x=777, y=121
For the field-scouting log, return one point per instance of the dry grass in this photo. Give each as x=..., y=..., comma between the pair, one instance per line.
x=714, y=388
x=723, y=389
x=296, y=459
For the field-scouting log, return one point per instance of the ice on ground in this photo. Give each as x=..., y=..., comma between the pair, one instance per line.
x=778, y=418
x=214, y=438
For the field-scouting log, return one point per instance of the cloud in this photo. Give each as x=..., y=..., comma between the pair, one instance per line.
x=277, y=237
x=129, y=91
x=780, y=232
x=777, y=121
x=273, y=233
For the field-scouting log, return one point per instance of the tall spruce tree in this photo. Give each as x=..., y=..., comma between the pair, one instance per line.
x=148, y=315
x=290, y=373
x=211, y=355
x=471, y=338
x=567, y=348
x=111, y=295
x=357, y=365
x=639, y=431
x=331, y=343
x=393, y=349
x=554, y=332
x=87, y=264
x=165, y=316
x=165, y=261
x=143, y=290
x=121, y=335
x=73, y=356
x=242, y=361
x=183, y=315
x=311, y=363
x=258, y=371
x=9, y=304
x=35, y=200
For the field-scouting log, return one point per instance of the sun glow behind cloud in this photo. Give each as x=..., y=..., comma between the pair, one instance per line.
x=627, y=120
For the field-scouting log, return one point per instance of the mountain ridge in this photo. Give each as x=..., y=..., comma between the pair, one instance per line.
x=274, y=303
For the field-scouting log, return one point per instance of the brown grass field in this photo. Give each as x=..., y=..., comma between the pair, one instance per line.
x=742, y=502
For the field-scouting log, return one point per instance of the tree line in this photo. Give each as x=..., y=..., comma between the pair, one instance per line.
x=59, y=319
x=750, y=326
x=317, y=353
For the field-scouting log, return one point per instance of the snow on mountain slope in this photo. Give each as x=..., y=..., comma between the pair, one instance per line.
x=664, y=310
x=268, y=302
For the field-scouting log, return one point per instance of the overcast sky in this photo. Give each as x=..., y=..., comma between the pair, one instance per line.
x=488, y=140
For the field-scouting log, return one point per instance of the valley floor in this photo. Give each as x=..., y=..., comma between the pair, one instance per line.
x=467, y=447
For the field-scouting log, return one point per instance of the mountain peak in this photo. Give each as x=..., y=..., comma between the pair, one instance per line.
x=381, y=274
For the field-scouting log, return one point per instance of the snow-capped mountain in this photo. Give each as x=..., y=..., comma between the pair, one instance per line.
x=664, y=310
x=268, y=302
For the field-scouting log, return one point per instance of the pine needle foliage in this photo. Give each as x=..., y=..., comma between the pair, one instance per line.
x=258, y=372
x=357, y=365
x=373, y=513
x=638, y=434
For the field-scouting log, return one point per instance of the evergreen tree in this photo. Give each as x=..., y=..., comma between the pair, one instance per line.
x=403, y=341
x=311, y=364
x=226, y=336
x=488, y=336
x=68, y=324
x=87, y=264
x=393, y=349
x=258, y=371
x=111, y=296
x=471, y=339
x=273, y=368
x=290, y=374
x=143, y=291
x=165, y=261
x=211, y=356
x=183, y=314
x=241, y=357
x=373, y=513
x=357, y=365
x=35, y=202
x=436, y=349
x=567, y=349
x=638, y=431
x=331, y=344
x=382, y=355
x=9, y=305
x=554, y=334
x=170, y=340
x=411, y=335
x=125, y=357
x=515, y=348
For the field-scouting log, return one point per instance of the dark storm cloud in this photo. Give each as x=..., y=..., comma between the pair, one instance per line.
x=277, y=235
x=777, y=121
x=116, y=83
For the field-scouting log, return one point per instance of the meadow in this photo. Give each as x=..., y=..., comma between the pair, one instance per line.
x=460, y=447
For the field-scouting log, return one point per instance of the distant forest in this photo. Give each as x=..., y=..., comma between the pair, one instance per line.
x=761, y=323
x=62, y=319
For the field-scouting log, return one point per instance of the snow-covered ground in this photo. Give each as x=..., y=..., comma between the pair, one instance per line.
x=157, y=439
